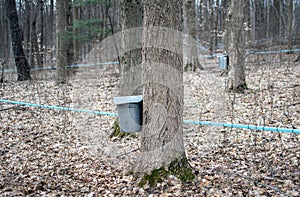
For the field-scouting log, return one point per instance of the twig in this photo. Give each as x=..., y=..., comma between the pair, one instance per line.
x=127, y=153
x=11, y=108
x=294, y=104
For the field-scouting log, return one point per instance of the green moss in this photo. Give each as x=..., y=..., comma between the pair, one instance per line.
x=178, y=168
x=116, y=131
x=156, y=176
x=182, y=170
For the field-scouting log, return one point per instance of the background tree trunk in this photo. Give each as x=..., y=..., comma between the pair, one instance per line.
x=16, y=35
x=236, y=46
x=42, y=51
x=190, y=56
x=27, y=29
x=290, y=23
x=131, y=61
x=51, y=28
x=35, y=49
x=64, y=55
x=162, y=135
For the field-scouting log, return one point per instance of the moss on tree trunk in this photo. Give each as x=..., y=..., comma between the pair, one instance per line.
x=179, y=168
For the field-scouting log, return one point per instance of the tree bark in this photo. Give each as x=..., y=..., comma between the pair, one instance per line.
x=162, y=135
x=51, y=28
x=236, y=46
x=22, y=65
x=131, y=68
x=290, y=23
x=276, y=18
x=42, y=51
x=190, y=48
x=64, y=54
x=35, y=50
x=27, y=29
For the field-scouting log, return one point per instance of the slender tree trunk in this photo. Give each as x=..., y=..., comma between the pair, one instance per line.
x=27, y=29
x=247, y=23
x=190, y=56
x=42, y=51
x=131, y=61
x=162, y=135
x=276, y=18
x=35, y=50
x=216, y=25
x=269, y=20
x=253, y=21
x=62, y=42
x=51, y=28
x=3, y=31
x=20, y=59
x=236, y=46
x=76, y=32
x=290, y=23
x=5, y=38
x=211, y=26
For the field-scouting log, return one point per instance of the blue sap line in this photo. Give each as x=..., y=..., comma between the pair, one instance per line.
x=276, y=51
x=204, y=56
x=208, y=123
x=241, y=126
x=58, y=108
x=259, y=52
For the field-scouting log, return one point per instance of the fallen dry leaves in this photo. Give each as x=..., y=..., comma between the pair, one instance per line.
x=60, y=153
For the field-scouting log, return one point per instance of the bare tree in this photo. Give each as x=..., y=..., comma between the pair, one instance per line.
x=64, y=53
x=162, y=135
x=290, y=22
x=190, y=57
x=35, y=49
x=235, y=35
x=16, y=35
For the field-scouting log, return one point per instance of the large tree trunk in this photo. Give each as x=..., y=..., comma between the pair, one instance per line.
x=15, y=31
x=162, y=135
x=236, y=45
x=131, y=68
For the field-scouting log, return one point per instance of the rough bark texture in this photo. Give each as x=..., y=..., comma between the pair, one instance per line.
x=290, y=23
x=190, y=50
x=15, y=31
x=131, y=61
x=35, y=50
x=236, y=46
x=64, y=44
x=162, y=135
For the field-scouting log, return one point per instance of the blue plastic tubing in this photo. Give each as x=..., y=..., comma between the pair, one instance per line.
x=207, y=123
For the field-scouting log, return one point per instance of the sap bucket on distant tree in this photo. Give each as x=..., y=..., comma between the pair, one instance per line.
x=223, y=62
x=130, y=111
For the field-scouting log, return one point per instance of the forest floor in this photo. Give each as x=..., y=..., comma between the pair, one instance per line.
x=48, y=152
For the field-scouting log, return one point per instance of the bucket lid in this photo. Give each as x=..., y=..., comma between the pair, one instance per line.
x=128, y=99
